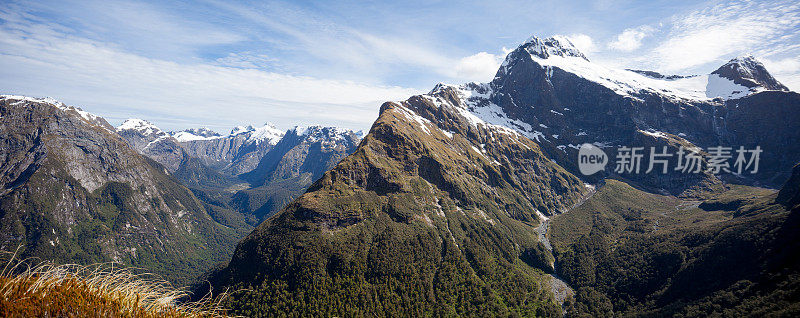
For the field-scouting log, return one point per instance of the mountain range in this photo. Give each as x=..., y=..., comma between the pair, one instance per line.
x=465, y=201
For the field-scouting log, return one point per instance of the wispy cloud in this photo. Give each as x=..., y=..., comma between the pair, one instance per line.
x=34, y=54
x=716, y=33
x=184, y=64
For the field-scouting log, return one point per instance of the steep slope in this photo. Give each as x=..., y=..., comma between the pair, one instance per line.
x=74, y=192
x=431, y=215
x=552, y=93
x=301, y=156
x=748, y=72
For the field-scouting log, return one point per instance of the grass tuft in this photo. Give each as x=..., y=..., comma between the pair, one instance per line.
x=100, y=290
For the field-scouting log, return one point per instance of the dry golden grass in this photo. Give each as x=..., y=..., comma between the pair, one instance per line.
x=48, y=290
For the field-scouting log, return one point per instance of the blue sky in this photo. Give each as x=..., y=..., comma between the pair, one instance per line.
x=224, y=63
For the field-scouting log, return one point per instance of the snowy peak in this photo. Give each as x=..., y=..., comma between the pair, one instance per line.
x=313, y=134
x=238, y=130
x=202, y=132
x=267, y=133
x=748, y=72
x=91, y=118
x=196, y=134
x=553, y=46
x=557, y=57
x=141, y=126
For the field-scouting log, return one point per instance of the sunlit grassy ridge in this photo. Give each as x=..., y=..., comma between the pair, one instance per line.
x=48, y=290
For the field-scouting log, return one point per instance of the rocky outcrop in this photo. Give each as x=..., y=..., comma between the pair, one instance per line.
x=749, y=72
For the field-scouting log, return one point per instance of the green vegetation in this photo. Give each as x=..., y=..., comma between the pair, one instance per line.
x=627, y=252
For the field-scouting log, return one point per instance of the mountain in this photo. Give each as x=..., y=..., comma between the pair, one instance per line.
x=301, y=156
x=154, y=143
x=550, y=92
x=748, y=72
x=73, y=191
x=238, y=152
x=433, y=214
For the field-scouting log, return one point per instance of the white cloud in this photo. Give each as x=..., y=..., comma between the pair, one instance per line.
x=582, y=42
x=631, y=39
x=480, y=67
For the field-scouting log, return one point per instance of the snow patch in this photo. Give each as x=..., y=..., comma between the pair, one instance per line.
x=722, y=87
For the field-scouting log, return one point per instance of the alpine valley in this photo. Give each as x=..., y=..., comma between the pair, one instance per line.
x=464, y=201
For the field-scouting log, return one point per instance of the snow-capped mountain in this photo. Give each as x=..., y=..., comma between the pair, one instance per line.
x=550, y=92
x=726, y=82
x=304, y=149
x=151, y=141
x=87, y=116
x=742, y=76
x=237, y=153
x=195, y=134
x=267, y=133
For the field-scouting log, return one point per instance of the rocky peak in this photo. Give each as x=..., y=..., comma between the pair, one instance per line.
x=747, y=71
x=317, y=133
x=552, y=46
x=241, y=130
x=149, y=140
x=268, y=133
x=143, y=127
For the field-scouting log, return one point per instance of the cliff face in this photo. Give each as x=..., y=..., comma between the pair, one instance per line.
x=74, y=191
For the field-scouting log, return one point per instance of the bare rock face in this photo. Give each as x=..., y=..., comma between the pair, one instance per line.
x=301, y=156
x=74, y=192
x=749, y=72
x=790, y=193
x=304, y=150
